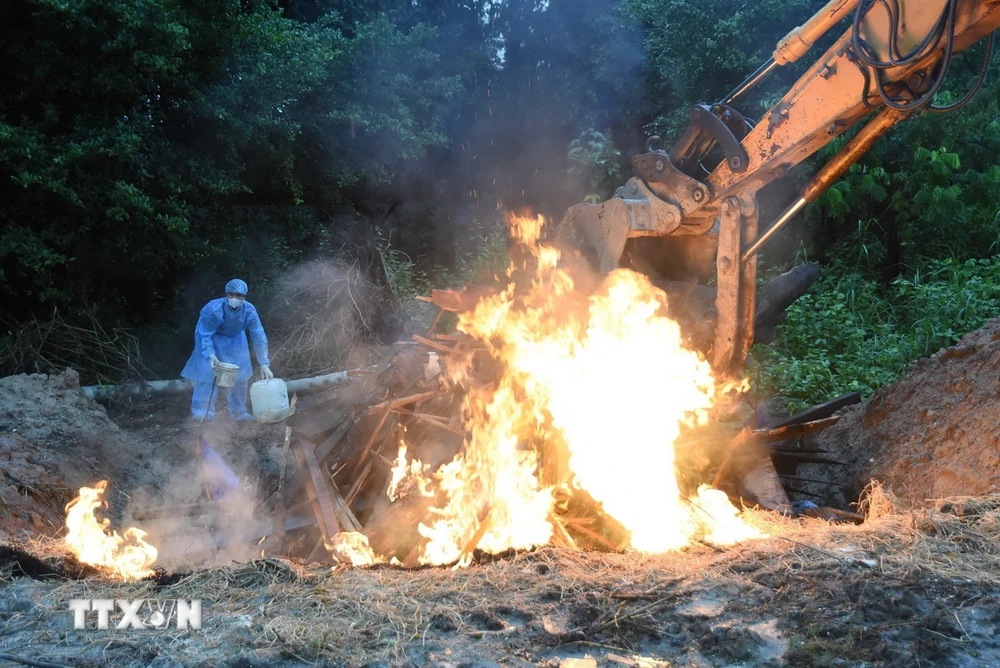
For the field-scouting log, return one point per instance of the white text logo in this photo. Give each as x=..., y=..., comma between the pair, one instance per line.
x=138, y=614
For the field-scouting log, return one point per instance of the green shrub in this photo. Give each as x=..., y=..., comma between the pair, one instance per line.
x=852, y=333
x=595, y=159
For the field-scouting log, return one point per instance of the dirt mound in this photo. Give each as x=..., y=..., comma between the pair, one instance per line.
x=59, y=440
x=31, y=496
x=934, y=433
x=50, y=410
x=79, y=440
x=54, y=440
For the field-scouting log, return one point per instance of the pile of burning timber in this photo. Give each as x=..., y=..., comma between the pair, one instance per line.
x=568, y=407
x=571, y=408
x=345, y=502
x=348, y=446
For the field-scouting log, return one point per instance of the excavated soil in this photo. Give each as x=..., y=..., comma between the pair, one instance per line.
x=934, y=433
x=31, y=496
x=72, y=431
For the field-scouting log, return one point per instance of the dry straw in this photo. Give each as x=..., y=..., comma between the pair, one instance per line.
x=366, y=614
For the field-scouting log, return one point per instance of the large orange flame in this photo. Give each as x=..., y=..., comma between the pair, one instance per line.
x=609, y=375
x=129, y=557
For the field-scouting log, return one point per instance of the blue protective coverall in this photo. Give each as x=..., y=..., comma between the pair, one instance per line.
x=221, y=331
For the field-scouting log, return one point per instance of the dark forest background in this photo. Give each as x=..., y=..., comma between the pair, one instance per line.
x=344, y=155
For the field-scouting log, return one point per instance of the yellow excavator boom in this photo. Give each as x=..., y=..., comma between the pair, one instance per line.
x=887, y=66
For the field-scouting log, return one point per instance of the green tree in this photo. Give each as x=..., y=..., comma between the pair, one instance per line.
x=929, y=189
x=134, y=135
x=698, y=51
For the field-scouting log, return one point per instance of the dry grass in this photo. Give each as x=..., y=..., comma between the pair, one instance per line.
x=103, y=356
x=346, y=614
x=936, y=540
x=325, y=316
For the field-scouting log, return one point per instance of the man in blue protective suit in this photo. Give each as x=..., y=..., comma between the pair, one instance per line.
x=221, y=336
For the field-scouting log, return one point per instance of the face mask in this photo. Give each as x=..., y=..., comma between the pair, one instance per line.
x=234, y=303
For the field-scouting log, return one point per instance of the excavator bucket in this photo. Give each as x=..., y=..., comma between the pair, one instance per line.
x=601, y=230
x=653, y=209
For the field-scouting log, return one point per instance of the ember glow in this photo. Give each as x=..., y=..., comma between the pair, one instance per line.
x=129, y=556
x=605, y=373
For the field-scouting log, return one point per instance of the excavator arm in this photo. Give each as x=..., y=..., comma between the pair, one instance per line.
x=886, y=67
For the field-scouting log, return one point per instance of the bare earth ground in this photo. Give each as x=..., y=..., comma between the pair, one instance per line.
x=914, y=586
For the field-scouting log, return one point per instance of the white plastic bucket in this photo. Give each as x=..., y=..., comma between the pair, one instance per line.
x=269, y=400
x=225, y=374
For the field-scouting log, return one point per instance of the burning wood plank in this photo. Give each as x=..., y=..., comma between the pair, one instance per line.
x=439, y=347
x=454, y=300
x=317, y=491
x=403, y=401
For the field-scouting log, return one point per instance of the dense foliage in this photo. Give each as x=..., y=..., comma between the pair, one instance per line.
x=134, y=135
x=151, y=149
x=852, y=333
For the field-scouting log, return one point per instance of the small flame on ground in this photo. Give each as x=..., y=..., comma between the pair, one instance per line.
x=129, y=556
x=351, y=547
